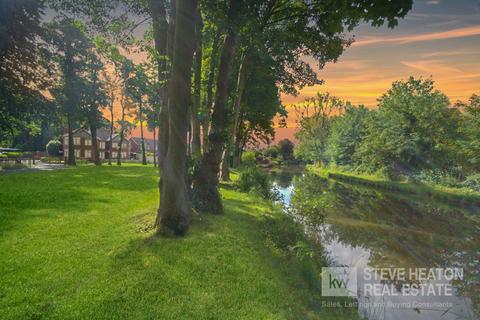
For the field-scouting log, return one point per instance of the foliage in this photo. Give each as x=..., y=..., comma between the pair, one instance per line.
x=472, y=182
x=347, y=132
x=25, y=73
x=413, y=128
x=271, y=152
x=251, y=179
x=249, y=158
x=13, y=166
x=285, y=148
x=314, y=121
x=53, y=148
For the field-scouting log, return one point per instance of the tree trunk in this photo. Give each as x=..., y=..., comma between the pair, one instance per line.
x=205, y=184
x=196, y=144
x=144, y=153
x=209, y=89
x=71, y=146
x=174, y=212
x=237, y=103
x=154, y=147
x=110, y=147
x=95, y=152
x=122, y=134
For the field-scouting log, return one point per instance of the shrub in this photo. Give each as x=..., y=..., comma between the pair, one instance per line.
x=472, y=182
x=285, y=148
x=271, y=152
x=248, y=158
x=12, y=166
x=253, y=180
x=53, y=148
x=440, y=177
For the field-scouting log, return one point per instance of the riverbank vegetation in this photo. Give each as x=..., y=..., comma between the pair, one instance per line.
x=81, y=243
x=415, y=135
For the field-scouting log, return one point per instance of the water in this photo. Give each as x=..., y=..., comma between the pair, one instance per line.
x=366, y=228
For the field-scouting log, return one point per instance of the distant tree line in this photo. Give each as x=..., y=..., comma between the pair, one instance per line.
x=413, y=129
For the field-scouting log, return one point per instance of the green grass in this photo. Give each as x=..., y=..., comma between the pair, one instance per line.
x=78, y=244
x=450, y=195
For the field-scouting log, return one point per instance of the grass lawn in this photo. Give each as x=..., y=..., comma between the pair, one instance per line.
x=79, y=244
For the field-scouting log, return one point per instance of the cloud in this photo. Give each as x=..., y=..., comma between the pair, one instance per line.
x=446, y=53
x=454, y=33
x=433, y=2
x=431, y=67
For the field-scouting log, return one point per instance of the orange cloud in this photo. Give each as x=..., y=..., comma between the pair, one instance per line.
x=454, y=33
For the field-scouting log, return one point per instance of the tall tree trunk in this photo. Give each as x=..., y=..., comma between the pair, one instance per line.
x=163, y=33
x=154, y=147
x=209, y=88
x=142, y=138
x=196, y=144
x=71, y=146
x=174, y=212
x=205, y=184
x=110, y=147
x=122, y=134
x=95, y=152
x=237, y=103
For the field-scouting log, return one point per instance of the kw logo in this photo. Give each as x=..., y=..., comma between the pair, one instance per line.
x=339, y=281
x=334, y=283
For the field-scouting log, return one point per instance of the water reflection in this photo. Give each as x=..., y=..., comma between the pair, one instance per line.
x=362, y=227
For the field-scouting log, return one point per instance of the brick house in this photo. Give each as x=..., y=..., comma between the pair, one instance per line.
x=136, y=146
x=82, y=140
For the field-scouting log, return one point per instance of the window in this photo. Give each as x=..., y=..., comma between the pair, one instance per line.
x=124, y=155
x=77, y=153
x=114, y=154
x=88, y=154
x=65, y=153
x=101, y=155
x=102, y=145
x=65, y=141
x=76, y=141
x=88, y=142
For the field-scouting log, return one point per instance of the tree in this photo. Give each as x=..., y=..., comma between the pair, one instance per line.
x=470, y=144
x=205, y=183
x=24, y=75
x=285, y=147
x=174, y=212
x=71, y=46
x=127, y=70
x=314, y=122
x=414, y=128
x=347, y=133
x=94, y=98
x=137, y=88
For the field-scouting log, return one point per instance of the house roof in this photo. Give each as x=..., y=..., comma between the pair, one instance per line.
x=103, y=134
x=138, y=141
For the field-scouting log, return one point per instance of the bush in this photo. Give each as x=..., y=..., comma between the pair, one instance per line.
x=445, y=178
x=472, y=182
x=53, y=148
x=12, y=166
x=271, y=152
x=248, y=158
x=253, y=180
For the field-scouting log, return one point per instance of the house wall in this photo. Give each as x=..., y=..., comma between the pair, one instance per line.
x=83, y=147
